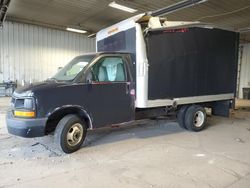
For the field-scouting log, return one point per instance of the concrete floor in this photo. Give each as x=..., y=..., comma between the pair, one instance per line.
x=148, y=154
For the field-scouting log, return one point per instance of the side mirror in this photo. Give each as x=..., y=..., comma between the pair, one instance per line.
x=89, y=80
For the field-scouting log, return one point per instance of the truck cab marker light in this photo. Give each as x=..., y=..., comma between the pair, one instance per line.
x=122, y=7
x=182, y=30
x=113, y=30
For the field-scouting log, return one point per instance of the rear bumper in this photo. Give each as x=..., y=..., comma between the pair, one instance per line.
x=28, y=128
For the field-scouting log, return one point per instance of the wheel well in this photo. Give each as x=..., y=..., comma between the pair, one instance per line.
x=54, y=118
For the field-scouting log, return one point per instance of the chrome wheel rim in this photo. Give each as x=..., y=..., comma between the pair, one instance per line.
x=74, y=134
x=199, y=119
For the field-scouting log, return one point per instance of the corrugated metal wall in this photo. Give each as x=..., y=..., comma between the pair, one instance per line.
x=245, y=69
x=29, y=52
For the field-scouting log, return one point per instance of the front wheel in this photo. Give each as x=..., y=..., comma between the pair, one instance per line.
x=195, y=118
x=70, y=133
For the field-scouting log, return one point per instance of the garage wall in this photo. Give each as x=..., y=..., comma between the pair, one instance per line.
x=33, y=53
x=244, y=69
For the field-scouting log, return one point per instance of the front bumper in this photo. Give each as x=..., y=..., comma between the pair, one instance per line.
x=28, y=128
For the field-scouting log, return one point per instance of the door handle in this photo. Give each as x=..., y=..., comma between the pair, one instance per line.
x=127, y=87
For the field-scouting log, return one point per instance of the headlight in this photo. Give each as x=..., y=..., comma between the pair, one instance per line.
x=24, y=107
x=28, y=104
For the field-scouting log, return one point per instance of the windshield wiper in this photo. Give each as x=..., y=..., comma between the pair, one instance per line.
x=54, y=79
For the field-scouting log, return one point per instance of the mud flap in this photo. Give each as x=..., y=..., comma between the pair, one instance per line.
x=221, y=108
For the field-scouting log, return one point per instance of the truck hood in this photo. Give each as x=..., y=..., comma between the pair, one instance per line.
x=29, y=90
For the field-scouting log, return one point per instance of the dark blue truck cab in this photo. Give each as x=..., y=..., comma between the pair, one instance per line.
x=93, y=91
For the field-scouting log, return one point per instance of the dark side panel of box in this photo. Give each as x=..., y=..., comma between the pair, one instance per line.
x=191, y=62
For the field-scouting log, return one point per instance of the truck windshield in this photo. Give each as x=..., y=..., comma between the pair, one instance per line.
x=73, y=68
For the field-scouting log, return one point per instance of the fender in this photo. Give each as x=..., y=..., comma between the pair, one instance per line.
x=74, y=108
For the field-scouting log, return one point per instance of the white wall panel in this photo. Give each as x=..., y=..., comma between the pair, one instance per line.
x=245, y=69
x=29, y=52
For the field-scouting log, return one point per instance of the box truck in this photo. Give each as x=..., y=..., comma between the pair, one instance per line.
x=144, y=66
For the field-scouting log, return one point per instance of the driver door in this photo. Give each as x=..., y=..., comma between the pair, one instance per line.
x=110, y=91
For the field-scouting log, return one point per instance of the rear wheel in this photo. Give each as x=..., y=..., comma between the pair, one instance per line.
x=181, y=116
x=70, y=133
x=195, y=118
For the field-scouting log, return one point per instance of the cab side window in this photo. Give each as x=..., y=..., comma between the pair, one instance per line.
x=109, y=69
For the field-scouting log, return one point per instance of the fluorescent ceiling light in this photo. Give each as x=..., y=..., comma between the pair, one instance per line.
x=92, y=35
x=121, y=7
x=76, y=30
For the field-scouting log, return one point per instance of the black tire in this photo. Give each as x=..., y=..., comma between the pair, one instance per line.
x=70, y=133
x=181, y=116
x=195, y=118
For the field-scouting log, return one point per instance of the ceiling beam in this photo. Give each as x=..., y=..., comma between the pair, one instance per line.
x=176, y=6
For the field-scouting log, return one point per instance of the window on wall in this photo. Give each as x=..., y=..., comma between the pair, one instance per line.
x=109, y=69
